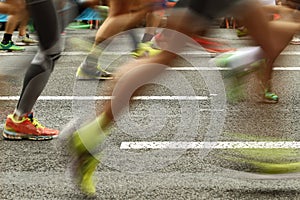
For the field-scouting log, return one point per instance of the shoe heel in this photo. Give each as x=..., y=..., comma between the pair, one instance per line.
x=11, y=137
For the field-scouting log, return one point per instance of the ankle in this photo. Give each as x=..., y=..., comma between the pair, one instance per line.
x=17, y=117
x=104, y=121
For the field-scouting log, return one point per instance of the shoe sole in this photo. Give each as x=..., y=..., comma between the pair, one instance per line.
x=84, y=76
x=266, y=101
x=25, y=44
x=10, y=50
x=20, y=136
x=263, y=100
x=90, y=79
x=93, y=79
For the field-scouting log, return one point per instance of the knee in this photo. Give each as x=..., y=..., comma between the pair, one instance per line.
x=20, y=7
x=45, y=61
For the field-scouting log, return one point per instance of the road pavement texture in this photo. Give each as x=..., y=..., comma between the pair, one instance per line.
x=186, y=106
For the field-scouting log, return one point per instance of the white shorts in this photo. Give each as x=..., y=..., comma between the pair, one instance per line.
x=268, y=2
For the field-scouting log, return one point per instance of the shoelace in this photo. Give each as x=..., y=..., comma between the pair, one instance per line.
x=34, y=121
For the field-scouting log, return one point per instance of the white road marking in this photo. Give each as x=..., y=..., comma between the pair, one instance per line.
x=210, y=145
x=93, y=98
x=199, y=53
x=225, y=69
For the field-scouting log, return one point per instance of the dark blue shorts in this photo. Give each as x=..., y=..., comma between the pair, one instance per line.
x=210, y=9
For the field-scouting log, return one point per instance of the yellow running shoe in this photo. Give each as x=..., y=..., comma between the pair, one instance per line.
x=144, y=50
x=84, y=165
x=96, y=73
x=265, y=160
x=84, y=155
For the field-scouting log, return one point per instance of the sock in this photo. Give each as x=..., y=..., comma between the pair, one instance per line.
x=25, y=35
x=93, y=134
x=17, y=115
x=6, y=38
x=147, y=37
x=90, y=62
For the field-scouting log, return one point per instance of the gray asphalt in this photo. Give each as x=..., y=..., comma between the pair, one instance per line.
x=40, y=170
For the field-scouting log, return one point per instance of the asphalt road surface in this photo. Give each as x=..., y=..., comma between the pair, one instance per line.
x=179, y=141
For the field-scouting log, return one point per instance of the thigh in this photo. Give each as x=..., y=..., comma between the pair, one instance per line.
x=12, y=7
x=18, y=4
x=118, y=7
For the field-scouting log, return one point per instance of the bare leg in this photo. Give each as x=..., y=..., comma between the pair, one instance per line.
x=142, y=68
x=13, y=19
x=23, y=25
x=122, y=15
x=120, y=18
x=273, y=39
x=11, y=7
x=153, y=20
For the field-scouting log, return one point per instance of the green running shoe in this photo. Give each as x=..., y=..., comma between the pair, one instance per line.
x=144, y=50
x=235, y=90
x=270, y=97
x=236, y=66
x=10, y=46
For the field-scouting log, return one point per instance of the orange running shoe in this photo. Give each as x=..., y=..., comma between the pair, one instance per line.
x=27, y=128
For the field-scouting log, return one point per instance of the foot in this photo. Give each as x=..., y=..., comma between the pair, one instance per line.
x=270, y=97
x=242, y=32
x=26, y=40
x=84, y=165
x=10, y=46
x=295, y=40
x=27, y=128
x=97, y=73
x=84, y=154
x=144, y=50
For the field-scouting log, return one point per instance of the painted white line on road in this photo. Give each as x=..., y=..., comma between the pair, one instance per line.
x=121, y=53
x=83, y=53
x=199, y=53
x=225, y=69
x=286, y=68
x=109, y=53
x=90, y=98
x=210, y=145
x=191, y=52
